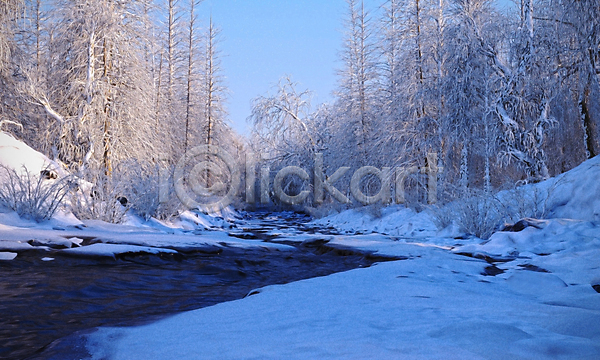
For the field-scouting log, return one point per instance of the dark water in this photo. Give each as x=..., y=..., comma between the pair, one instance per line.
x=41, y=302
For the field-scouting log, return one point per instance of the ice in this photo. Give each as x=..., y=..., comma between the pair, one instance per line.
x=7, y=255
x=110, y=250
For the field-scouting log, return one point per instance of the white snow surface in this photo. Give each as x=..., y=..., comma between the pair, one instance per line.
x=537, y=301
x=394, y=220
x=437, y=306
x=441, y=302
x=15, y=154
x=190, y=230
x=7, y=255
x=110, y=250
x=115, y=239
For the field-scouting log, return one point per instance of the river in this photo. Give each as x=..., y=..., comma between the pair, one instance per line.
x=43, y=303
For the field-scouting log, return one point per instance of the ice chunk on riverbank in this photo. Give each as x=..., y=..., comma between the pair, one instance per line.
x=110, y=250
x=7, y=255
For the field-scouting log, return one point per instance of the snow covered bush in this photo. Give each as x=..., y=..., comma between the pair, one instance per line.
x=443, y=215
x=32, y=195
x=131, y=187
x=527, y=201
x=481, y=214
x=101, y=202
x=478, y=214
x=144, y=191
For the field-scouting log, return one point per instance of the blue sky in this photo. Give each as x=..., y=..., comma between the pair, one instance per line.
x=264, y=40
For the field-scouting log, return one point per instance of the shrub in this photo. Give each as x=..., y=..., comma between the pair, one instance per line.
x=100, y=202
x=31, y=195
x=477, y=213
x=138, y=183
x=480, y=215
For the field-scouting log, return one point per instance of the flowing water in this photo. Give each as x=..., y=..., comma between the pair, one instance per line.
x=42, y=302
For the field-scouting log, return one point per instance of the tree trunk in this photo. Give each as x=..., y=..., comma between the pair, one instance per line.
x=587, y=124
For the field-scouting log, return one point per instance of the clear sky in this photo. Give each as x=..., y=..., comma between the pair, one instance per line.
x=264, y=40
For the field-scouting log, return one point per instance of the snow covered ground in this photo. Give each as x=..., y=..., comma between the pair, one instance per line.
x=532, y=292
x=63, y=233
x=434, y=306
x=58, y=237
x=528, y=294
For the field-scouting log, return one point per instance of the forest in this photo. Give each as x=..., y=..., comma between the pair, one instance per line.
x=118, y=90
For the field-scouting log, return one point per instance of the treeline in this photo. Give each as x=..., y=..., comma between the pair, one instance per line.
x=502, y=95
x=116, y=90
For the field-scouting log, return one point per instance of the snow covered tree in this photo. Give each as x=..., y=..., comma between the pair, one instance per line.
x=282, y=125
x=358, y=83
x=214, y=90
x=286, y=132
x=395, y=133
x=193, y=76
x=11, y=12
x=579, y=22
x=98, y=99
x=465, y=87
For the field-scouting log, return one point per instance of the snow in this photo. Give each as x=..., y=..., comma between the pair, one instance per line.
x=116, y=239
x=15, y=154
x=64, y=233
x=110, y=250
x=442, y=301
x=439, y=306
x=395, y=221
x=576, y=193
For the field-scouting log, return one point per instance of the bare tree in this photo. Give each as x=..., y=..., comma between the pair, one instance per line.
x=283, y=125
x=192, y=77
x=214, y=88
x=358, y=80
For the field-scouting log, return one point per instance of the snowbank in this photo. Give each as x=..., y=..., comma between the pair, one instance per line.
x=111, y=250
x=18, y=234
x=16, y=155
x=576, y=193
x=573, y=195
x=395, y=221
x=523, y=294
x=433, y=307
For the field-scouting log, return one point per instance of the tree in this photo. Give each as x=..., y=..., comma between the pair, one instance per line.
x=358, y=81
x=98, y=99
x=282, y=124
x=214, y=89
x=193, y=82
x=10, y=112
x=580, y=21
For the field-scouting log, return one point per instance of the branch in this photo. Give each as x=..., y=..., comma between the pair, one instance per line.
x=295, y=117
x=5, y=121
x=50, y=111
x=554, y=20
